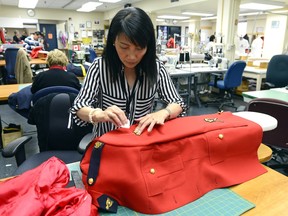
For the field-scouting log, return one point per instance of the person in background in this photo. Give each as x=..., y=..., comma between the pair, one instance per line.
x=24, y=35
x=56, y=75
x=44, y=41
x=32, y=41
x=170, y=42
x=210, y=46
x=121, y=86
x=16, y=38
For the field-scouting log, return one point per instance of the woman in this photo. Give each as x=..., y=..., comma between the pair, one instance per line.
x=56, y=75
x=120, y=87
x=16, y=38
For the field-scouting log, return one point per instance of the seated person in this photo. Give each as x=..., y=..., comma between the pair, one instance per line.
x=16, y=38
x=56, y=75
x=32, y=41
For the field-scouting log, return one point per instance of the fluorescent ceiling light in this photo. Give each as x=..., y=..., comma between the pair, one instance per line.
x=89, y=6
x=197, y=14
x=27, y=3
x=160, y=20
x=280, y=11
x=172, y=17
x=109, y=1
x=209, y=18
x=260, y=6
x=250, y=14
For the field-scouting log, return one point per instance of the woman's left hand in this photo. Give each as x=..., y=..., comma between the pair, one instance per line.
x=150, y=120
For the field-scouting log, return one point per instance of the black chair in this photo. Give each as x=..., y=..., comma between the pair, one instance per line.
x=10, y=59
x=52, y=89
x=226, y=86
x=277, y=72
x=277, y=139
x=51, y=116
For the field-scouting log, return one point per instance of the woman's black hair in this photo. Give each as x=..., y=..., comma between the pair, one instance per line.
x=137, y=26
x=212, y=38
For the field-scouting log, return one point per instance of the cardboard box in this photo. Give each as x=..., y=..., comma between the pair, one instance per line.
x=9, y=137
x=243, y=87
x=264, y=64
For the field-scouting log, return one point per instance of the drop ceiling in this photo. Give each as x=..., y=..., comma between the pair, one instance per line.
x=207, y=6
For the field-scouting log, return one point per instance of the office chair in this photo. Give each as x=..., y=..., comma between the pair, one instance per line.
x=10, y=59
x=51, y=116
x=22, y=100
x=92, y=55
x=277, y=72
x=277, y=139
x=226, y=86
x=52, y=89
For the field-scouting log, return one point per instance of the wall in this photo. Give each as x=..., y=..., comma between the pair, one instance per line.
x=275, y=34
x=17, y=16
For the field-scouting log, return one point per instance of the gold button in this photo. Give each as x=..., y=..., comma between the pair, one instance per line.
x=97, y=145
x=90, y=181
x=152, y=171
x=221, y=136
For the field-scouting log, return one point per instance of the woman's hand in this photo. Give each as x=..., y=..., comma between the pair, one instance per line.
x=150, y=120
x=112, y=114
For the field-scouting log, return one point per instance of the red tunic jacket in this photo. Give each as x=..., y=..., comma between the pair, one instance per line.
x=173, y=165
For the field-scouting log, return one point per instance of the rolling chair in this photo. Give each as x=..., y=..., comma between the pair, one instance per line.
x=277, y=139
x=92, y=55
x=10, y=59
x=22, y=100
x=277, y=72
x=52, y=89
x=226, y=86
x=51, y=116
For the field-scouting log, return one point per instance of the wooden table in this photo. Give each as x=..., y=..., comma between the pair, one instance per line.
x=264, y=153
x=6, y=90
x=276, y=93
x=268, y=192
x=255, y=73
x=32, y=61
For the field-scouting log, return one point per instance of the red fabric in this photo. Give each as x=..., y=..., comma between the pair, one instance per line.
x=41, y=191
x=2, y=36
x=57, y=67
x=188, y=156
x=170, y=43
x=34, y=52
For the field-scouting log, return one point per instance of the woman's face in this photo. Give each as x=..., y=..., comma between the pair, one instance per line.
x=129, y=53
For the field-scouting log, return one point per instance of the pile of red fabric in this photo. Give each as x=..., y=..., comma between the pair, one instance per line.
x=41, y=191
x=35, y=51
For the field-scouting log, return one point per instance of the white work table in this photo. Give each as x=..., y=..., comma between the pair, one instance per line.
x=190, y=74
x=255, y=73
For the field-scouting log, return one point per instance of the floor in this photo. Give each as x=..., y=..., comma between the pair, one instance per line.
x=8, y=165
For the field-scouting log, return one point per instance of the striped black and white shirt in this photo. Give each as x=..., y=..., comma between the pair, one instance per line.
x=100, y=91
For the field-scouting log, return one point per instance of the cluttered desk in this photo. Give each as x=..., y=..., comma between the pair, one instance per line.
x=32, y=61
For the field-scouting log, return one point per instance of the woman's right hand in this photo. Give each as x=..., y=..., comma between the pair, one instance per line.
x=112, y=114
